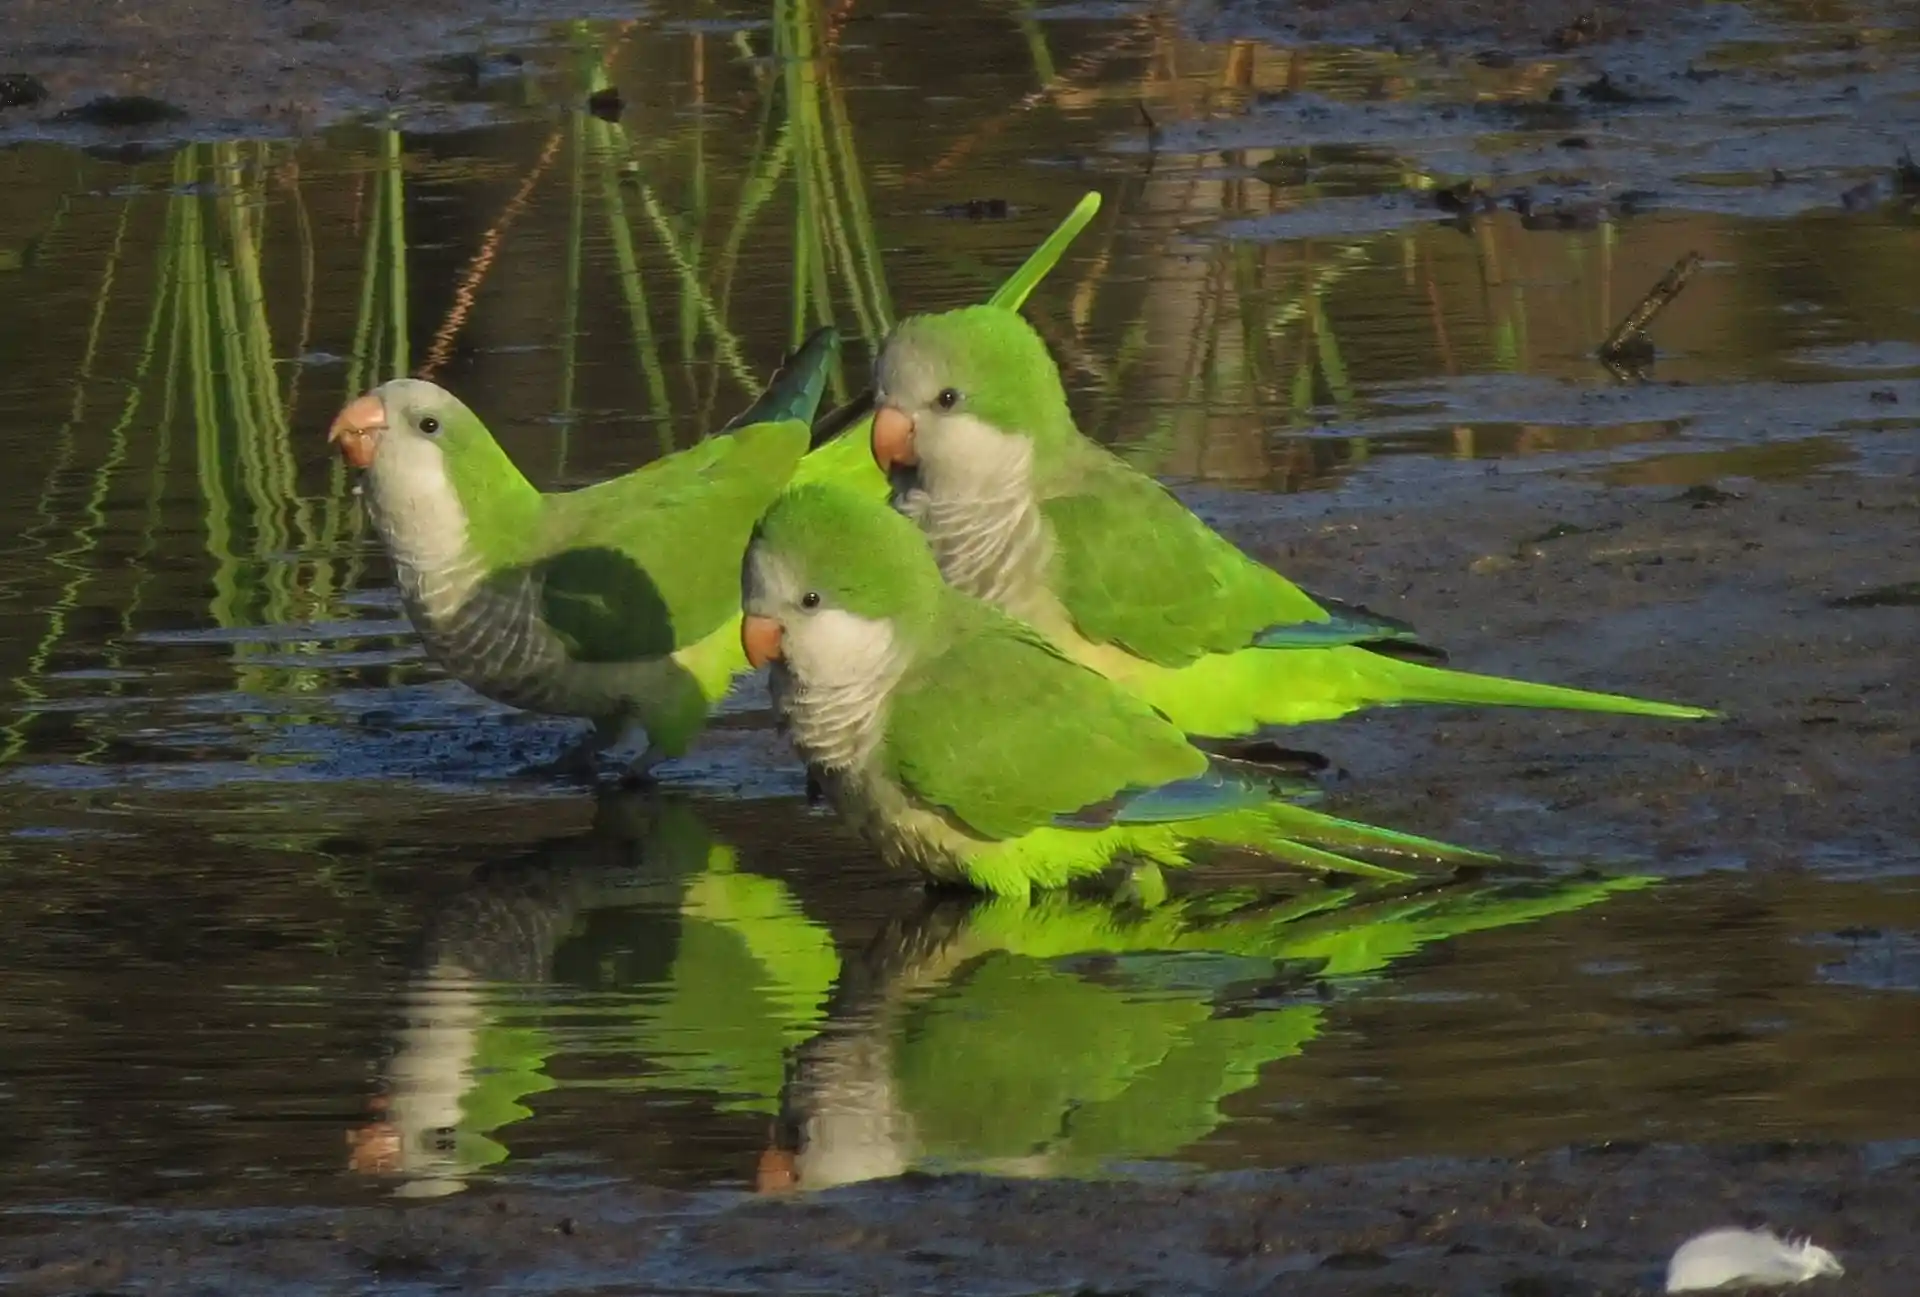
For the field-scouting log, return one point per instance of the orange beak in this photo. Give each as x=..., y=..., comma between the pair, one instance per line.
x=893, y=439
x=760, y=638
x=776, y=1172
x=356, y=430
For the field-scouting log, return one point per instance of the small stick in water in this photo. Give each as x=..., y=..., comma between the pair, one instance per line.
x=1628, y=341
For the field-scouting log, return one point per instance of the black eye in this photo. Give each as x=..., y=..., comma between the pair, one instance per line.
x=429, y=425
x=948, y=398
x=811, y=599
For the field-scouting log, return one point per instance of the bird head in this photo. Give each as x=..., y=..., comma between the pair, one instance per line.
x=408, y=419
x=834, y=584
x=953, y=389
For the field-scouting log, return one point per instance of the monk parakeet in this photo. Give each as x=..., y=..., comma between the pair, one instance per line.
x=1067, y=1035
x=617, y=602
x=611, y=602
x=1024, y=511
x=961, y=743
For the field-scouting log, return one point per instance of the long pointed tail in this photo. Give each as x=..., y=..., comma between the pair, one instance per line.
x=1327, y=843
x=1226, y=695
x=1416, y=682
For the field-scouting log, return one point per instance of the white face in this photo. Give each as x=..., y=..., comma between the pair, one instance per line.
x=824, y=649
x=412, y=500
x=960, y=454
x=416, y=412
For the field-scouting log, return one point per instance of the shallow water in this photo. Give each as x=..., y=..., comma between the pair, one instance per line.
x=266, y=869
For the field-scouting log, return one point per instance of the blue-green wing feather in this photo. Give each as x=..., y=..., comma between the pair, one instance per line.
x=796, y=387
x=1347, y=624
x=1224, y=786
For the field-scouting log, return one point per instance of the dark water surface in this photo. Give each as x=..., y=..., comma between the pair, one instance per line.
x=283, y=921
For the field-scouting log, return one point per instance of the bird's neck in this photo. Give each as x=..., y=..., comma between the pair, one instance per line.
x=975, y=502
x=832, y=692
x=852, y=1125
x=445, y=541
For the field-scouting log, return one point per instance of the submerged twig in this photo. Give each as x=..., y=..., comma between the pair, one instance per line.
x=475, y=271
x=1628, y=342
x=1153, y=127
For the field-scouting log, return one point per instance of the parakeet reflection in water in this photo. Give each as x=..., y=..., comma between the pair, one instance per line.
x=1066, y=1036
x=733, y=975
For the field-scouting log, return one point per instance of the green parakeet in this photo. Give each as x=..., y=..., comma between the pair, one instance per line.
x=617, y=602
x=1024, y=511
x=961, y=743
x=1069, y=1035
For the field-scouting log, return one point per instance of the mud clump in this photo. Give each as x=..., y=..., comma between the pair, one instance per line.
x=119, y=112
x=17, y=90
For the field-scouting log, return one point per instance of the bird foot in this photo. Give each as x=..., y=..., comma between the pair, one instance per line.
x=578, y=762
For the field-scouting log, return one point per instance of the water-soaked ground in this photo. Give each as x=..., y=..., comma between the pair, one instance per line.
x=293, y=942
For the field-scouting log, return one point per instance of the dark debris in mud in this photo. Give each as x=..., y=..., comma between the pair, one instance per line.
x=1600, y=1219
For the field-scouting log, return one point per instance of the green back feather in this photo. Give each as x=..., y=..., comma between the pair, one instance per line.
x=1134, y=568
x=649, y=563
x=1002, y=732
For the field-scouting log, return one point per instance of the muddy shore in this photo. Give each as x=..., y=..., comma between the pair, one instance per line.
x=1590, y=1221
x=104, y=72
x=173, y=69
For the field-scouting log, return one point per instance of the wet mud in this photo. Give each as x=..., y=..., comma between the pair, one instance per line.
x=1751, y=596
x=1589, y=1221
x=106, y=74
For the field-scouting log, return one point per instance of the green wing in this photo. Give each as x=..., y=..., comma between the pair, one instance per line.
x=650, y=563
x=1004, y=734
x=1134, y=568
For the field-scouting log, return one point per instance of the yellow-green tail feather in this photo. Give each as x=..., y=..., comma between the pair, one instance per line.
x=1228, y=694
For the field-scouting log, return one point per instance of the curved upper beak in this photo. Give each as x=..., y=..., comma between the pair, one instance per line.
x=760, y=638
x=356, y=429
x=893, y=439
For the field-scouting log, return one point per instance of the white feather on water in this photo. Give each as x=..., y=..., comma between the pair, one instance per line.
x=1722, y=1257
